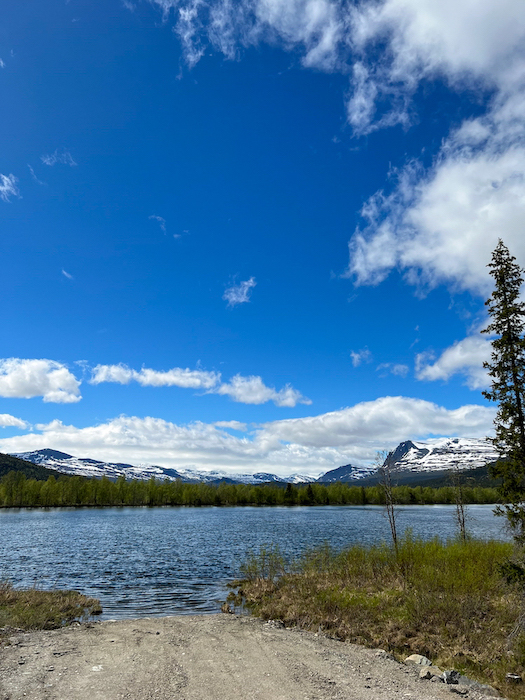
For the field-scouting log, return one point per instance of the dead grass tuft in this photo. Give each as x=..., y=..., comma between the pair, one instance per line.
x=35, y=609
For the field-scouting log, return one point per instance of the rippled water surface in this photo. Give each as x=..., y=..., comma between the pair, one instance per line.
x=165, y=561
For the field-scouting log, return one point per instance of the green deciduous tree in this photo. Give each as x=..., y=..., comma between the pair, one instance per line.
x=507, y=372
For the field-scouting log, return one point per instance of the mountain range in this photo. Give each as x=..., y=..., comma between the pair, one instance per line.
x=410, y=461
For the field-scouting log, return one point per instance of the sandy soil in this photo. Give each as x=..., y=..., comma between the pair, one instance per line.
x=212, y=657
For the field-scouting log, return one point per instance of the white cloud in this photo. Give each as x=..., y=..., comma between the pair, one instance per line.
x=249, y=390
x=161, y=221
x=66, y=274
x=463, y=357
x=184, y=378
x=386, y=47
x=60, y=156
x=398, y=370
x=309, y=445
x=361, y=356
x=7, y=421
x=252, y=390
x=25, y=379
x=240, y=293
x=8, y=187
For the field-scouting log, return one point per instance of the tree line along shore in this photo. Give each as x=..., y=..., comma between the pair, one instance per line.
x=18, y=491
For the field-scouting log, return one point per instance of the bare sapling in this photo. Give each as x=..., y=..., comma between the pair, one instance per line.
x=385, y=481
x=461, y=512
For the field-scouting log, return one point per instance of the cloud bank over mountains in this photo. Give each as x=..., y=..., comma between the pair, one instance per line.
x=309, y=445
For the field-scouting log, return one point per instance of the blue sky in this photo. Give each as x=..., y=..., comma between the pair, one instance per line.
x=253, y=236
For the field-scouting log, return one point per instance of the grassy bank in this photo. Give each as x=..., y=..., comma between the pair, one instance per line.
x=35, y=609
x=16, y=490
x=447, y=601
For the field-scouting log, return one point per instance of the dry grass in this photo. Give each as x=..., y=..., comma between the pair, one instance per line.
x=447, y=601
x=35, y=609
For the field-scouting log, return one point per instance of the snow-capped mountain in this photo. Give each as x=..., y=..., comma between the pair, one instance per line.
x=435, y=456
x=82, y=466
x=442, y=454
x=347, y=473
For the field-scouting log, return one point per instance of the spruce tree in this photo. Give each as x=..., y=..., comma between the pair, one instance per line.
x=507, y=372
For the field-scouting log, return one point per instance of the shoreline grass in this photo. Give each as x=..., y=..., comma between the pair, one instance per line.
x=35, y=609
x=446, y=600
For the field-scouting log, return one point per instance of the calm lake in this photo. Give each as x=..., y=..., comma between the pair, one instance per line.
x=164, y=561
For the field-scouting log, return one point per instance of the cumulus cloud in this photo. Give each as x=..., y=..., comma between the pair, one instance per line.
x=7, y=421
x=240, y=293
x=184, y=378
x=8, y=187
x=361, y=356
x=60, y=156
x=441, y=225
x=26, y=379
x=252, y=390
x=463, y=357
x=309, y=445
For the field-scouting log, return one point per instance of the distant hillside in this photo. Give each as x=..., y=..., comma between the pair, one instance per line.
x=32, y=471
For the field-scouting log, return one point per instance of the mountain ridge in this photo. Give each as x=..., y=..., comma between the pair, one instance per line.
x=410, y=459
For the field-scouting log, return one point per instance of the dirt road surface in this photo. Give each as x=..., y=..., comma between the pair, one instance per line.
x=212, y=657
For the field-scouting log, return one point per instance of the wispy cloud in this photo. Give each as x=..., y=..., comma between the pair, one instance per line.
x=310, y=445
x=26, y=379
x=8, y=187
x=60, y=156
x=33, y=175
x=361, y=356
x=397, y=369
x=66, y=274
x=161, y=221
x=240, y=293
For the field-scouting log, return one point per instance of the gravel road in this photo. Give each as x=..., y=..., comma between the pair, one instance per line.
x=211, y=657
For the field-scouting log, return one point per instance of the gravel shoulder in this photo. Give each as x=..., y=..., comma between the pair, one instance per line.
x=209, y=657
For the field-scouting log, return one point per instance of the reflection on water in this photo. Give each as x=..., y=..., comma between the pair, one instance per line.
x=165, y=561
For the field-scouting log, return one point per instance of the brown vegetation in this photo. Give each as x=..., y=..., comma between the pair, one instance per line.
x=447, y=601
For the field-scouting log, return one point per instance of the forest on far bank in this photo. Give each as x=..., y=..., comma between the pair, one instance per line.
x=19, y=491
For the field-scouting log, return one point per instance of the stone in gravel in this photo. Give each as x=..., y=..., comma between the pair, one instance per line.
x=452, y=677
x=429, y=672
x=514, y=678
x=460, y=690
x=437, y=679
x=418, y=659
